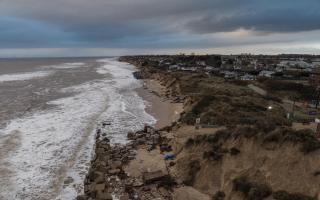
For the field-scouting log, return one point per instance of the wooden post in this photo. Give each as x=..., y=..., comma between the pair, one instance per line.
x=197, y=123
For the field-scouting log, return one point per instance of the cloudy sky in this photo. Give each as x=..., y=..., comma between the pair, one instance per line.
x=117, y=27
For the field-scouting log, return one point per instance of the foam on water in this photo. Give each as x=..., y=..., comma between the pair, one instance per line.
x=127, y=109
x=24, y=76
x=55, y=146
x=66, y=66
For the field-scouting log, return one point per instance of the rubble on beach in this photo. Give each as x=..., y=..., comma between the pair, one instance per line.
x=107, y=178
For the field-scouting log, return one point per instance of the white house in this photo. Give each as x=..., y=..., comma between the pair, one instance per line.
x=230, y=75
x=174, y=67
x=266, y=73
x=247, y=77
x=192, y=69
x=201, y=63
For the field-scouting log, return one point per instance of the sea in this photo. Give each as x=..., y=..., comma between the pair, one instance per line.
x=50, y=109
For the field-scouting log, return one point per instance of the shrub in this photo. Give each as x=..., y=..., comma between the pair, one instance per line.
x=246, y=131
x=270, y=97
x=265, y=125
x=305, y=92
x=251, y=190
x=283, y=195
x=212, y=155
x=306, y=138
x=316, y=173
x=167, y=182
x=190, y=142
x=234, y=151
x=219, y=196
x=202, y=104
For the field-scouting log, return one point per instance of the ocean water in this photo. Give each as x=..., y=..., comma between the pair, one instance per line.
x=49, y=111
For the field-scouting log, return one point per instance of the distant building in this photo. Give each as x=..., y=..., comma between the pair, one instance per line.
x=201, y=63
x=314, y=78
x=192, y=69
x=265, y=73
x=230, y=75
x=247, y=77
x=174, y=67
x=295, y=65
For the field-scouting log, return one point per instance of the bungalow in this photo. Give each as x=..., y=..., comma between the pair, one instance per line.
x=315, y=64
x=191, y=69
x=209, y=68
x=265, y=73
x=201, y=63
x=174, y=67
x=247, y=77
x=229, y=75
x=237, y=67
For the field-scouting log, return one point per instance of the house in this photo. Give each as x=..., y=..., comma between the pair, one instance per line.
x=237, y=67
x=191, y=69
x=201, y=63
x=174, y=67
x=315, y=64
x=247, y=77
x=230, y=75
x=295, y=65
x=265, y=73
x=209, y=68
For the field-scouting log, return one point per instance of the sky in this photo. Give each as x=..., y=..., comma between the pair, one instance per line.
x=42, y=28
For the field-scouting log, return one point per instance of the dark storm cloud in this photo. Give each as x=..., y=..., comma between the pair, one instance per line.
x=292, y=19
x=147, y=23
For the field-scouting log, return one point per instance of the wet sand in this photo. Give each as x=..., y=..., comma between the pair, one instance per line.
x=163, y=110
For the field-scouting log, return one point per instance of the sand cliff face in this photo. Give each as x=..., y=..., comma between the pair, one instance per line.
x=282, y=167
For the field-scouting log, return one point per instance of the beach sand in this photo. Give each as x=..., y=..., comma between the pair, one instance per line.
x=163, y=110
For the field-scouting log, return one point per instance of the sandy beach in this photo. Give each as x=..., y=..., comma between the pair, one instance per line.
x=164, y=110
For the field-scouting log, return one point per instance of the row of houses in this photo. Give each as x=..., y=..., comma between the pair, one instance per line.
x=242, y=67
x=246, y=76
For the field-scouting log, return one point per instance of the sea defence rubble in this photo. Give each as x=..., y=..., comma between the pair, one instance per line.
x=107, y=177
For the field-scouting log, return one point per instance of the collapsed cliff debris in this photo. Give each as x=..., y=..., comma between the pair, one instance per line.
x=107, y=176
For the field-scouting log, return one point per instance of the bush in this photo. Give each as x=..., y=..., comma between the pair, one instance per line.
x=316, y=173
x=167, y=182
x=202, y=104
x=266, y=125
x=212, y=155
x=219, y=196
x=190, y=142
x=246, y=131
x=272, y=98
x=219, y=136
x=283, y=195
x=306, y=138
x=251, y=190
x=305, y=92
x=234, y=151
